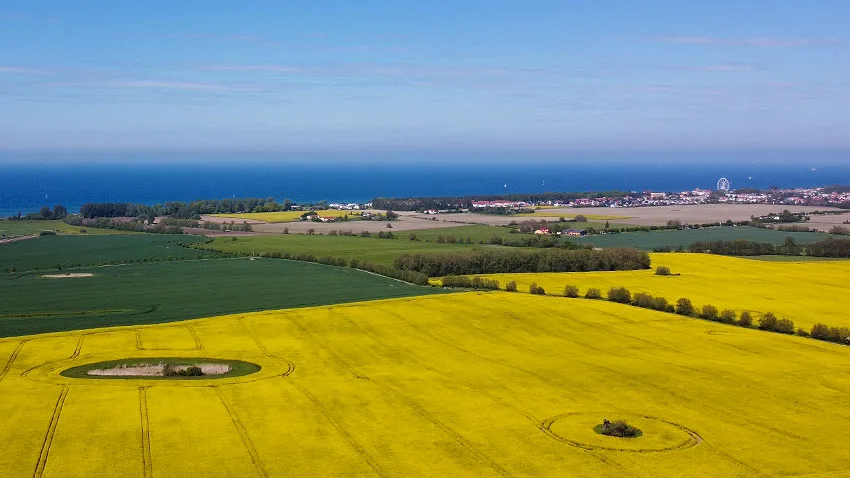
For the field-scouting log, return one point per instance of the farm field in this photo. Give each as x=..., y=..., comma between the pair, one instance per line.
x=170, y=291
x=805, y=292
x=471, y=384
x=675, y=239
x=287, y=216
x=370, y=249
x=570, y=213
x=48, y=252
x=25, y=228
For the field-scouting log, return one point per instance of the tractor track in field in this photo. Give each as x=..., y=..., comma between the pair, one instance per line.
x=340, y=429
x=457, y=437
x=51, y=432
x=198, y=345
x=147, y=462
x=516, y=409
x=694, y=438
x=139, y=339
x=11, y=360
x=263, y=349
x=243, y=434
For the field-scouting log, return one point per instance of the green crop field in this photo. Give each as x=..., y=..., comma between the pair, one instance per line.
x=370, y=249
x=48, y=252
x=170, y=291
x=478, y=233
x=674, y=239
x=26, y=228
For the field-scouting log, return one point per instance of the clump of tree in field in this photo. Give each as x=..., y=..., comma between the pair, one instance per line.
x=662, y=271
x=493, y=261
x=536, y=289
x=570, y=291
x=617, y=428
x=470, y=283
x=511, y=286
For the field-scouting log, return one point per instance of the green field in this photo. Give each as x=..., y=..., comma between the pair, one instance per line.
x=478, y=233
x=48, y=252
x=27, y=228
x=370, y=249
x=170, y=291
x=674, y=239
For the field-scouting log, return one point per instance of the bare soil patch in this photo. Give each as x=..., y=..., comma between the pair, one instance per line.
x=158, y=370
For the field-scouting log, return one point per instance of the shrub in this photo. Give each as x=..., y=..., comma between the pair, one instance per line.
x=684, y=306
x=709, y=312
x=642, y=299
x=768, y=322
x=535, y=289
x=746, y=320
x=785, y=326
x=727, y=316
x=511, y=286
x=571, y=291
x=802, y=333
x=233, y=238
x=540, y=291
x=620, y=294
x=820, y=332
x=662, y=271
x=365, y=234
x=593, y=293
x=660, y=303
x=413, y=236
x=617, y=428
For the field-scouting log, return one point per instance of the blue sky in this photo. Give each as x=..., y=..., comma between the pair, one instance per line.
x=395, y=75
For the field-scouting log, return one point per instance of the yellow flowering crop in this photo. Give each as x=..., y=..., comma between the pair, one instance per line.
x=468, y=384
x=805, y=292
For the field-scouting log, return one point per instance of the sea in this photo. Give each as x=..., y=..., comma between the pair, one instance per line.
x=29, y=181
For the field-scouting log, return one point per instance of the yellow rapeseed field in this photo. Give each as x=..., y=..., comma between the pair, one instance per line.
x=805, y=292
x=468, y=384
x=287, y=216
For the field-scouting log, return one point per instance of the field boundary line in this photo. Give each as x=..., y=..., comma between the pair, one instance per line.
x=243, y=434
x=11, y=360
x=147, y=461
x=51, y=432
x=352, y=443
x=198, y=345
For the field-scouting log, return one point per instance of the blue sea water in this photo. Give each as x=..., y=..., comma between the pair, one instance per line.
x=29, y=181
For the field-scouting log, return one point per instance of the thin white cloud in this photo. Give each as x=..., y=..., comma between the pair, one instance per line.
x=24, y=70
x=730, y=68
x=165, y=85
x=764, y=42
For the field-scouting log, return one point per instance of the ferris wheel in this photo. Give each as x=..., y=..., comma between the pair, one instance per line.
x=723, y=184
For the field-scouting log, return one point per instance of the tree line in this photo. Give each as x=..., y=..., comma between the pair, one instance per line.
x=830, y=247
x=458, y=202
x=494, y=261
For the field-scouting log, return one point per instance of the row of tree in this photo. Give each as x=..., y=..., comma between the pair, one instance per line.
x=493, y=261
x=58, y=212
x=683, y=306
x=465, y=202
x=830, y=247
x=184, y=210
